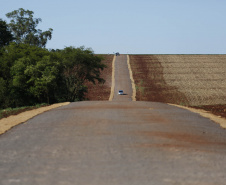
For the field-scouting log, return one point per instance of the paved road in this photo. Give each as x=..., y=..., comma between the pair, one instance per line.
x=122, y=79
x=119, y=142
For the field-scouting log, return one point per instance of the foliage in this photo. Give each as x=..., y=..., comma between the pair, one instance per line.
x=16, y=59
x=5, y=35
x=80, y=65
x=31, y=74
x=23, y=27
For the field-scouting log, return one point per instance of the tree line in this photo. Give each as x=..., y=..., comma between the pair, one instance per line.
x=31, y=74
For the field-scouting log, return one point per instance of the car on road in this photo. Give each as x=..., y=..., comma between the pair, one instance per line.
x=120, y=92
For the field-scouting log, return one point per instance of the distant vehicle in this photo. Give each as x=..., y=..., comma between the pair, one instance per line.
x=117, y=54
x=120, y=92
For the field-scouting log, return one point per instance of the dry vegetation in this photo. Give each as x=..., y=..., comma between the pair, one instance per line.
x=190, y=80
x=101, y=92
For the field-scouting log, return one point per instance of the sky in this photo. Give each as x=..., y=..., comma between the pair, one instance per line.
x=130, y=26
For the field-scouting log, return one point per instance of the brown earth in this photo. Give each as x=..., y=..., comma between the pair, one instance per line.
x=150, y=82
x=197, y=81
x=101, y=92
x=151, y=85
x=219, y=110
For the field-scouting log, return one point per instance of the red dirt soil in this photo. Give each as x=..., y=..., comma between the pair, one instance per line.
x=151, y=85
x=101, y=92
x=149, y=82
x=219, y=110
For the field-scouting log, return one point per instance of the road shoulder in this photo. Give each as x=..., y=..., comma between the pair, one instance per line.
x=221, y=121
x=11, y=121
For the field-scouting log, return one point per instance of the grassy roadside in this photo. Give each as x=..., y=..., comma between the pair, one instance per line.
x=4, y=113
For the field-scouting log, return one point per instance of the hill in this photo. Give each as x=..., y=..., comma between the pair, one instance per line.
x=197, y=81
x=189, y=80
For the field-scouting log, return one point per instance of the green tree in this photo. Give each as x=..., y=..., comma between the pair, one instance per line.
x=43, y=79
x=34, y=76
x=5, y=35
x=2, y=91
x=31, y=74
x=23, y=27
x=15, y=63
x=80, y=65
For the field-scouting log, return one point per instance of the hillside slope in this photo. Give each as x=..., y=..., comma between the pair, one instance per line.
x=189, y=80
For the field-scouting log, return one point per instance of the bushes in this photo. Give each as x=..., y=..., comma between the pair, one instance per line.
x=32, y=75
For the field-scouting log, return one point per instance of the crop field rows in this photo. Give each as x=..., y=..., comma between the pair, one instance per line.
x=201, y=78
x=190, y=80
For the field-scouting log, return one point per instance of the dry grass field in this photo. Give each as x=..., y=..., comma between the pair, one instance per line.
x=101, y=92
x=189, y=80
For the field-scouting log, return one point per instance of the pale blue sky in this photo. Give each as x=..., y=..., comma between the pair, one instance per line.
x=131, y=26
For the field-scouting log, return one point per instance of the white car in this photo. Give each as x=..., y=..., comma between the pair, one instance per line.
x=120, y=92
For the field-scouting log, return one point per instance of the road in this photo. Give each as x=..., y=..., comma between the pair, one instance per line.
x=122, y=79
x=118, y=142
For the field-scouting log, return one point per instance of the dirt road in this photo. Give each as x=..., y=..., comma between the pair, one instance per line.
x=114, y=142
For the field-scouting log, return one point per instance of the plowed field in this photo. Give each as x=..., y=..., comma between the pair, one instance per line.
x=190, y=80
